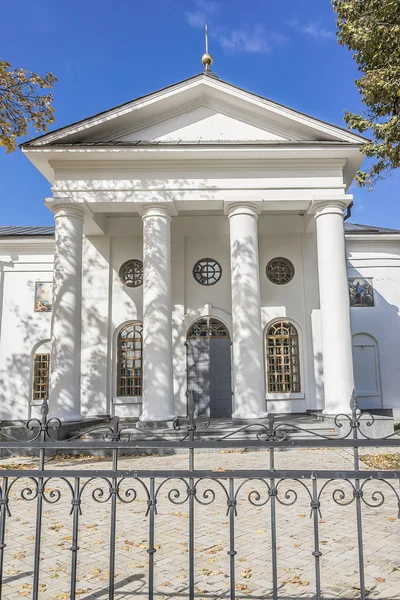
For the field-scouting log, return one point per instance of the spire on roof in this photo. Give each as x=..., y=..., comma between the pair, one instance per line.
x=207, y=59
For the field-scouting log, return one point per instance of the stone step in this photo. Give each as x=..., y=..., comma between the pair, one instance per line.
x=298, y=427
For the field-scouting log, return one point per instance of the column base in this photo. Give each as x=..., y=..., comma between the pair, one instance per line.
x=77, y=418
x=151, y=425
x=248, y=417
x=160, y=420
x=331, y=414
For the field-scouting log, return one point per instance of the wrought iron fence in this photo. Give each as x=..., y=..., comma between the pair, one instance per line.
x=115, y=486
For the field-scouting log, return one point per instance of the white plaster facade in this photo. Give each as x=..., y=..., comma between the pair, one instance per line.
x=200, y=169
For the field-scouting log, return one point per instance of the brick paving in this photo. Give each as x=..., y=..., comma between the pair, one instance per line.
x=296, y=575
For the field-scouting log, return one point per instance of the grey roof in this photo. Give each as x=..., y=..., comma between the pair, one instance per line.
x=48, y=231
x=355, y=228
x=39, y=230
x=187, y=143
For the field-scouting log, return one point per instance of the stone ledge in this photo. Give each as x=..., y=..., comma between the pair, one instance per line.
x=381, y=427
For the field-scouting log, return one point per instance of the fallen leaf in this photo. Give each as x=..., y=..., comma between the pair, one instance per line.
x=246, y=573
x=12, y=571
x=214, y=549
x=56, y=526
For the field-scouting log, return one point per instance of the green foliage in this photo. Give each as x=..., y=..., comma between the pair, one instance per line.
x=371, y=29
x=21, y=103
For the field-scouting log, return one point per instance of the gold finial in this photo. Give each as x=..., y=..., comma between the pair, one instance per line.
x=207, y=59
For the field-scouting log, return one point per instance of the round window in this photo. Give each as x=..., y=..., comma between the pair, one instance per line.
x=131, y=273
x=280, y=270
x=207, y=271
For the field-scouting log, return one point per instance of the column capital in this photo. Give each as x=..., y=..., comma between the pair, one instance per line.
x=157, y=210
x=68, y=210
x=328, y=206
x=232, y=209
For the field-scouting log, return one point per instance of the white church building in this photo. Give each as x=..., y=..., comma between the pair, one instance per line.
x=200, y=246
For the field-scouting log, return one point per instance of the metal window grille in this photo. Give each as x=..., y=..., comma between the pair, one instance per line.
x=207, y=271
x=208, y=327
x=283, y=358
x=41, y=364
x=130, y=356
x=131, y=273
x=280, y=270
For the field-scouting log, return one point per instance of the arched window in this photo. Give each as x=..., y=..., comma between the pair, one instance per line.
x=129, y=360
x=283, y=358
x=41, y=368
x=207, y=327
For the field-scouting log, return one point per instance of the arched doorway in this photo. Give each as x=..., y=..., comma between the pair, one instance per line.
x=367, y=374
x=209, y=377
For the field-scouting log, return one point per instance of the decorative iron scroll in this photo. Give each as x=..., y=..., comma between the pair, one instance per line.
x=263, y=486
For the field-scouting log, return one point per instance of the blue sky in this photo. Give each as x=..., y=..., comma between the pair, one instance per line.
x=107, y=52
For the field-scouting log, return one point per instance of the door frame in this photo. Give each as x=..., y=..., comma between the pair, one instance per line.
x=229, y=336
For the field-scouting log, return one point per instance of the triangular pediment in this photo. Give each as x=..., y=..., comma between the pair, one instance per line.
x=197, y=110
x=203, y=124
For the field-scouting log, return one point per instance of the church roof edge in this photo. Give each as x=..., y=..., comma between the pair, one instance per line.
x=48, y=230
x=204, y=76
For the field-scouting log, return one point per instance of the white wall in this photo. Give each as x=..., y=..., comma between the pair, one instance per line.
x=107, y=305
x=284, y=236
x=95, y=325
x=381, y=261
x=21, y=329
x=194, y=238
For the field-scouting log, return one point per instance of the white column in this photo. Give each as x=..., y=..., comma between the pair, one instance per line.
x=335, y=307
x=65, y=354
x=248, y=360
x=157, y=395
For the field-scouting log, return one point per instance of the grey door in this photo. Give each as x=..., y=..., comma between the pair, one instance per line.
x=209, y=375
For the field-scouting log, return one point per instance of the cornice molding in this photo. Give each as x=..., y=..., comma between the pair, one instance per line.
x=376, y=237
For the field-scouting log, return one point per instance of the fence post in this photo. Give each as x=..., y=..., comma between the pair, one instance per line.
x=232, y=552
x=272, y=493
x=315, y=510
x=192, y=493
x=76, y=508
x=151, y=550
x=3, y=516
x=358, y=493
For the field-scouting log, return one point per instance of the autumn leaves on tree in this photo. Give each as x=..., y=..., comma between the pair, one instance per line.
x=22, y=103
x=371, y=29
